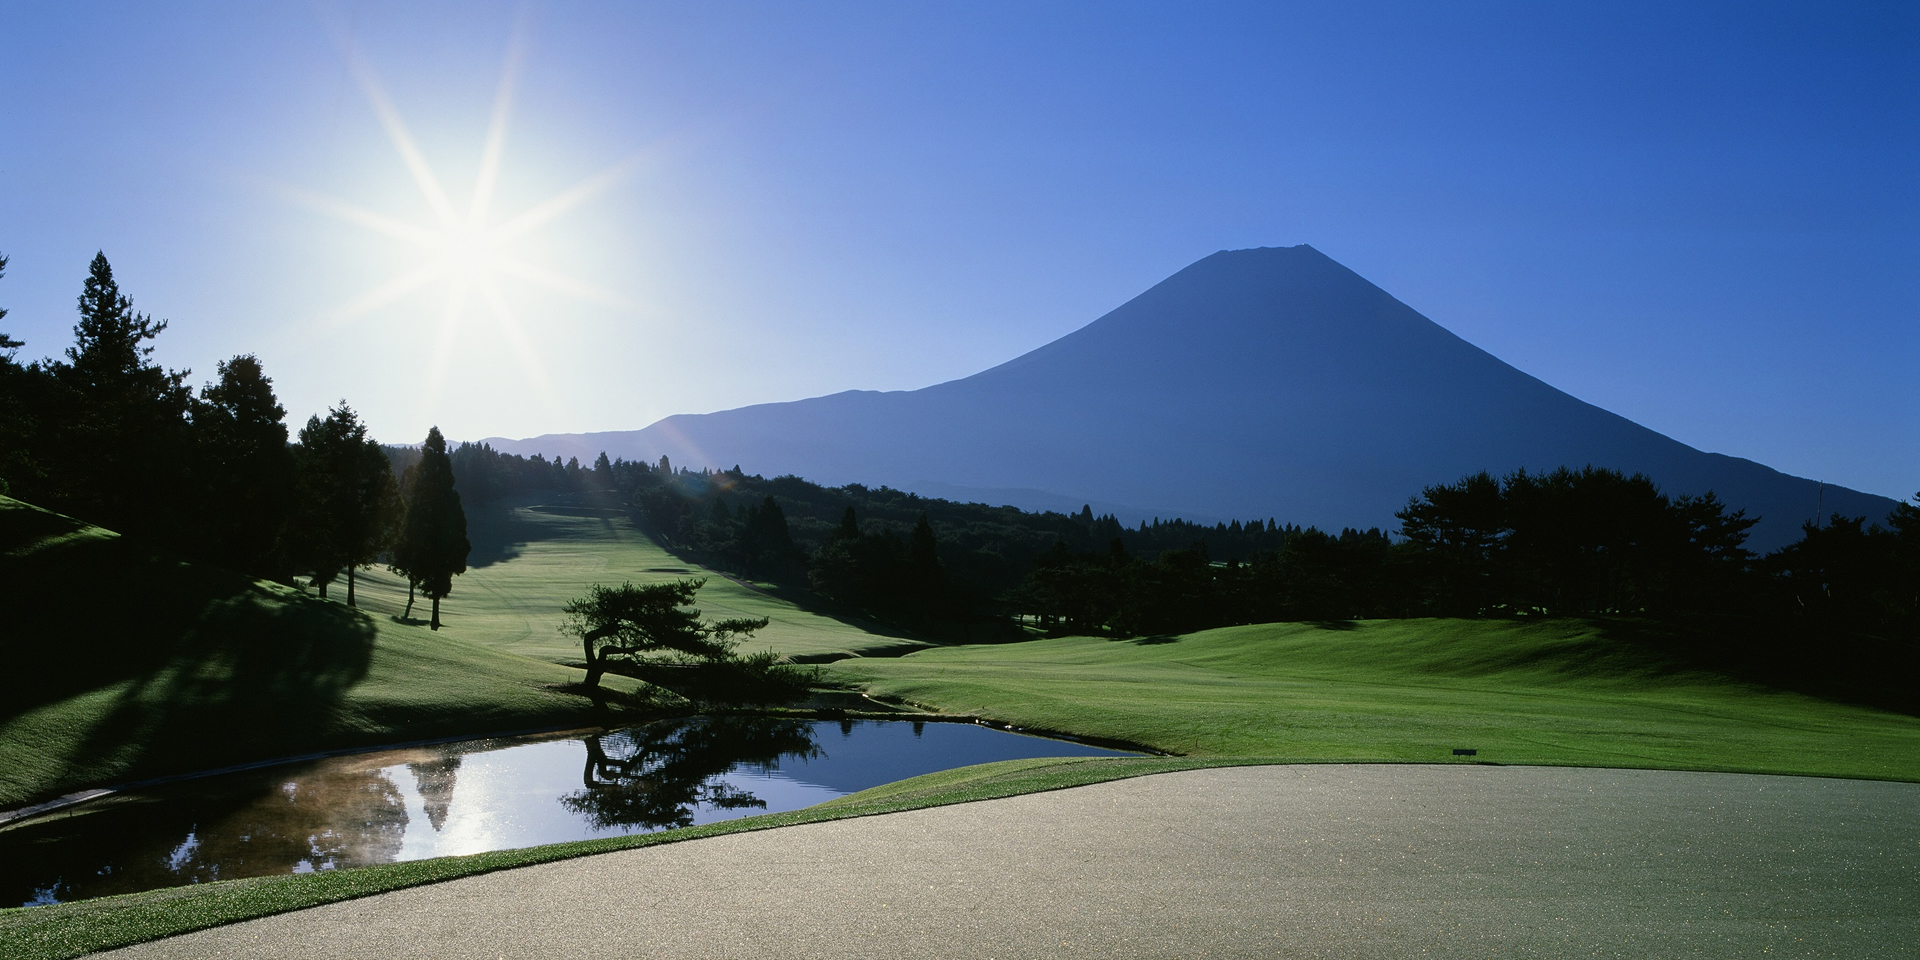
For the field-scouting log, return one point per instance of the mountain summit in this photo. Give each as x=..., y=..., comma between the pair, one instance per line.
x=1271, y=382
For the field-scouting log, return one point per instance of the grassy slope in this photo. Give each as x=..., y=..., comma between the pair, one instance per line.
x=528, y=561
x=1562, y=692
x=124, y=664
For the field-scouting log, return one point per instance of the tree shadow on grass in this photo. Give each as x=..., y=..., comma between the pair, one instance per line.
x=1832, y=664
x=496, y=533
x=1867, y=671
x=207, y=666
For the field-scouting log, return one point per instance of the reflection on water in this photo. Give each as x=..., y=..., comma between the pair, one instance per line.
x=474, y=796
x=644, y=778
x=434, y=781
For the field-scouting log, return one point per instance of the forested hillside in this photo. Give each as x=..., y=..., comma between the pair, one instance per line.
x=1587, y=542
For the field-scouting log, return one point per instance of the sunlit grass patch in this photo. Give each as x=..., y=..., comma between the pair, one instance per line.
x=1543, y=692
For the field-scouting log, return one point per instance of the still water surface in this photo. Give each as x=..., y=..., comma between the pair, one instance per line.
x=478, y=795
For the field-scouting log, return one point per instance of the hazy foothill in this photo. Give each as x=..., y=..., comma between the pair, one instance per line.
x=1536, y=579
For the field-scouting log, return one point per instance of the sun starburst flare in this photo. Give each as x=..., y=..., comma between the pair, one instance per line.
x=466, y=248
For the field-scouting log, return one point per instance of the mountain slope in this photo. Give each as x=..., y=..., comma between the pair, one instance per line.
x=1271, y=382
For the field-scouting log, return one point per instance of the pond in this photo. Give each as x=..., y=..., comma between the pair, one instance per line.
x=477, y=795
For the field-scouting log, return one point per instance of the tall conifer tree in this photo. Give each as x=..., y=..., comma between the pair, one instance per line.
x=348, y=498
x=16, y=410
x=246, y=470
x=433, y=544
x=923, y=560
x=8, y=344
x=118, y=453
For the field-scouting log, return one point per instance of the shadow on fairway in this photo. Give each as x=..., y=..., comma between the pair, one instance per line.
x=497, y=534
x=1831, y=665
x=1824, y=662
x=190, y=655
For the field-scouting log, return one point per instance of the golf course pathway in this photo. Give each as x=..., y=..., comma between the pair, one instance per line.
x=1325, y=860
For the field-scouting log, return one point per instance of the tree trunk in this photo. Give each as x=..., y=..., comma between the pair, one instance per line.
x=595, y=665
x=436, y=614
x=323, y=587
x=350, y=602
x=410, y=584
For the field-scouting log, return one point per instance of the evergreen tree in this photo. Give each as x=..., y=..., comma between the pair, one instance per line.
x=849, y=528
x=7, y=344
x=1457, y=531
x=1905, y=521
x=629, y=621
x=245, y=468
x=17, y=410
x=118, y=450
x=766, y=544
x=923, y=564
x=433, y=544
x=399, y=558
x=348, y=498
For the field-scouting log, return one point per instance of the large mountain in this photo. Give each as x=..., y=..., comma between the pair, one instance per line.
x=1255, y=383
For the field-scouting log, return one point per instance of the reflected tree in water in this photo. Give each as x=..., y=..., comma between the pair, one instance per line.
x=356, y=817
x=434, y=779
x=344, y=821
x=654, y=777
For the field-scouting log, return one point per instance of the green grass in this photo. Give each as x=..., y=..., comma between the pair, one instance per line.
x=529, y=560
x=1554, y=692
x=127, y=651
x=124, y=664
x=74, y=929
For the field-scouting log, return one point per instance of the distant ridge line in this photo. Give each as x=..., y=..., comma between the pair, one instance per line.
x=1264, y=382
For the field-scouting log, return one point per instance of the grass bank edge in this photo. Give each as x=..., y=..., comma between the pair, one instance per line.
x=1551, y=693
x=86, y=926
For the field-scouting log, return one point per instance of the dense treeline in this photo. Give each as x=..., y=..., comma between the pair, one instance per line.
x=107, y=435
x=1565, y=543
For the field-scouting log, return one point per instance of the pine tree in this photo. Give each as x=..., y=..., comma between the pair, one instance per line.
x=849, y=528
x=399, y=558
x=348, y=498
x=433, y=545
x=118, y=453
x=923, y=563
x=7, y=344
x=17, y=420
x=245, y=469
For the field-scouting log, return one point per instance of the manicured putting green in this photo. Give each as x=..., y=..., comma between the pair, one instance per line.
x=1553, y=692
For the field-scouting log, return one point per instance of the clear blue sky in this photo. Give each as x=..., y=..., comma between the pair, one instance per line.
x=1703, y=217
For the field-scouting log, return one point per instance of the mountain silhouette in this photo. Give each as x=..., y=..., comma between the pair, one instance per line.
x=1270, y=382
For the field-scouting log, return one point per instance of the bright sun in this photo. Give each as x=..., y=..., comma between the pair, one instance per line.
x=465, y=247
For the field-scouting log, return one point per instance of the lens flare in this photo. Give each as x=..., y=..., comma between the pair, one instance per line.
x=466, y=246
